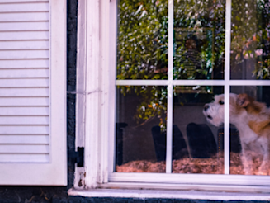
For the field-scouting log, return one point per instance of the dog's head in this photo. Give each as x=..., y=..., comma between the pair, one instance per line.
x=214, y=111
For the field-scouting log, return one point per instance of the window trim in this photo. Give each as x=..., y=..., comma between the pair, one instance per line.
x=98, y=90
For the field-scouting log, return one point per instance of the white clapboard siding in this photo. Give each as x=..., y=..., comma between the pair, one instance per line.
x=24, y=120
x=33, y=63
x=25, y=139
x=24, y=81
x=10, y=45
x=24, y=101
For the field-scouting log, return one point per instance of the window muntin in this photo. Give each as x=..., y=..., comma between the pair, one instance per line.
x=226, y=84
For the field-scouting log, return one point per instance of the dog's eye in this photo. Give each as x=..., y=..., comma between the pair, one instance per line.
x=221, y=102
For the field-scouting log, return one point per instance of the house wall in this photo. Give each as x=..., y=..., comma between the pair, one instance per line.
x=59, y=194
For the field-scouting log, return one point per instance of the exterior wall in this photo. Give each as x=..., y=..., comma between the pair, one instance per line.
x=59, y=194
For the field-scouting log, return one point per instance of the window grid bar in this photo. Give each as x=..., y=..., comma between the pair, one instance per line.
x=170, y=90
x=192, y=82
x=227, y=86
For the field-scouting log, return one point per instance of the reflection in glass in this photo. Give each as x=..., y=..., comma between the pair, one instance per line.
x=203, y=142
x=142, y=44
x=199, y=39
x=251, y=119
x=141, y=113
x=250, y=39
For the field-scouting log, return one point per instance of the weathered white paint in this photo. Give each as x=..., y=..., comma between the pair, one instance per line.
x=173, y=194
x=33, y=92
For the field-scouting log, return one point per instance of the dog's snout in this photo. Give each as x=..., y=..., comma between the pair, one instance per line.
x=206, y=107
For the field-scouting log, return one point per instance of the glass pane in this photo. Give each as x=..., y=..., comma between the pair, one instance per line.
x=199, y=39
x=142, y=44
x=250, y=39
x=197, y=144
x=141, y=113
x=250, y=117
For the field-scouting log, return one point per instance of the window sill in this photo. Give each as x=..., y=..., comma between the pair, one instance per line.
x=165, y=194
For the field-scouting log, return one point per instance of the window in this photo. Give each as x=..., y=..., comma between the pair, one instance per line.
x=151, y=121
x=32, y=92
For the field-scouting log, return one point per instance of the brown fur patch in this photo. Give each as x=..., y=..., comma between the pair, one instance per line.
x=259, y=126
x=251, y=106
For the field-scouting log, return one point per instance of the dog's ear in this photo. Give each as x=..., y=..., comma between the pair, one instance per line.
x=258, y=126
x=244, y=100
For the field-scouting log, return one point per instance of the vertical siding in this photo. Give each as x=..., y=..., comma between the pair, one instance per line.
x=24, y=81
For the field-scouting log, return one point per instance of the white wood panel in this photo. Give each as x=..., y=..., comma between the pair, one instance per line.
x=24, y=130
x=24, y=158
x=24, y=54
x=23, y=26
x=9, y=45
x=23, y=149
x=29, y=82
x=24, y=7
x=24, y=73
x=31, y=16
x=24, y=139
x=19, y=1
x=8, y=111
x=17, y=92
x=24, y=35
x=24, y=101
x=34, y=63
x=24, y=120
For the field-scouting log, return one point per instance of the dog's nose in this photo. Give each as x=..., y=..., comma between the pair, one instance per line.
x=206, y=107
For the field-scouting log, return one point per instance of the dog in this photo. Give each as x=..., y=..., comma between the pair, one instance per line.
x=252, y=119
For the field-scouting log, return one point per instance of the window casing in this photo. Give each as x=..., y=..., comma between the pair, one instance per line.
x=99, y=95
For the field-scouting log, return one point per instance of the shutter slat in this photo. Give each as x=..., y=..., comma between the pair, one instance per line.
x=34, y=63
x=24, y=111
x=26, y=73
x=24, y=26
x=17, y=92
x=24, y=149
x=9, y=45
x=24, y=120
x=29, y=82
x=24, y=35
x=25, y=7
x=24, y=101
x=24, y=139
x=24, y=158
x=18, y=17
x=24, y=130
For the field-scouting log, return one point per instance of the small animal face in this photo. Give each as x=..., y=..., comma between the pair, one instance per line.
x=214, y=111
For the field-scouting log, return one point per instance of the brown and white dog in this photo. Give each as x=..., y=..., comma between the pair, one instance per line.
x=252, y=119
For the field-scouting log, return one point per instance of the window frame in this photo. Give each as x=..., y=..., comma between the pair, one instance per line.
x=97, y=96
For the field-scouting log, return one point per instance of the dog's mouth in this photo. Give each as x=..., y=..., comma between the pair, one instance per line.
x=209, y=117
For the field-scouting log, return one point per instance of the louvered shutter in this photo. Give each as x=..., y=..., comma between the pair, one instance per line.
x=32, y=92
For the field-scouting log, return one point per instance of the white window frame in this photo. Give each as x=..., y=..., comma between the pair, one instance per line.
x=96, y=115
